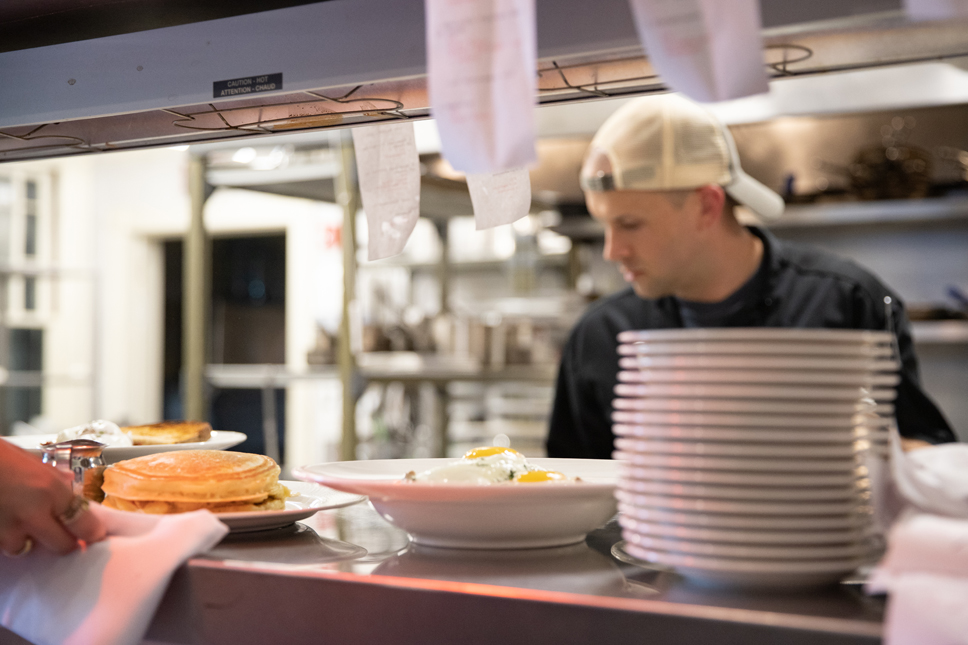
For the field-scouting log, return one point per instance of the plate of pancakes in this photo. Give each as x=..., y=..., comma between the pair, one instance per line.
x=150, y=439
x=242, y=489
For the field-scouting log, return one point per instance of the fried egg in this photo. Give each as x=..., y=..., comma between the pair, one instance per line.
x=488, y=465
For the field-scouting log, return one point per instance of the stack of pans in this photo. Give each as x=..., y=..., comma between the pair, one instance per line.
x=745, y=450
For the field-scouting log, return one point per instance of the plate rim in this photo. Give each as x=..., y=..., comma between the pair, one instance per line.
x=248, y=521
x=110, y=449
x=760, y=334
x=396, y=489
x=288, y=483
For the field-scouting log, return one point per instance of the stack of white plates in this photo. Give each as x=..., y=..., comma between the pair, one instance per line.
x=746, y=451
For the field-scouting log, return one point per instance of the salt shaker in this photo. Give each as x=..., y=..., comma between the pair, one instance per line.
x=76, y=456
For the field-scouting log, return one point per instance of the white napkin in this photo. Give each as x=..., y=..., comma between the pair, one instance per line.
x=935, y=479
x=107, y=593
x=925, y=569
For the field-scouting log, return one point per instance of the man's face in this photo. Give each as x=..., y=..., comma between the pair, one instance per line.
x=651, y=237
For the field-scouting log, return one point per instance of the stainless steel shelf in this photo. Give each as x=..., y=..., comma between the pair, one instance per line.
x=939, y=332
x=258, y=376
x=490, y=264
x=378, y=366
x=401, y=593
x=903, y=211
x=413, y=367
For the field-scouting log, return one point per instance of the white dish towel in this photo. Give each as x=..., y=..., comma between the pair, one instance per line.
x=107, y=593
x=925, y=569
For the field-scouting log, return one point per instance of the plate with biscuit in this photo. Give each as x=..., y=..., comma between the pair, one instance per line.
x=242, y=489
x=129, y=442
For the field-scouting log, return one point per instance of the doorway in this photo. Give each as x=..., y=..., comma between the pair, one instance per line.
x=248, y=325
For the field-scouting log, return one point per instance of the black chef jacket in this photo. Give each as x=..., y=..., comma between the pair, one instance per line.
x=796, y=286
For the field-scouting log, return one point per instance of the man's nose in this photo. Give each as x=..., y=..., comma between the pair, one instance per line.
x=615, y=249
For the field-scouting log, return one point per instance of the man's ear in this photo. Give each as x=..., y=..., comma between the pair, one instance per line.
x=712, y=198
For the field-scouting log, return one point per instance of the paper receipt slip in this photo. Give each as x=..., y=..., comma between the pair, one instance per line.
x=389, y=176
x=710, y=50
x=501, y=198
x=481, y=66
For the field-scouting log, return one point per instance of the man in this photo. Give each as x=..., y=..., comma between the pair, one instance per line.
x=663, y=177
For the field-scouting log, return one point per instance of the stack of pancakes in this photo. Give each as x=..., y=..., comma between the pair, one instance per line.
x=188, y=480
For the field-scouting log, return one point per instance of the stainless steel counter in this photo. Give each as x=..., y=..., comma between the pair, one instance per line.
x=346, y=576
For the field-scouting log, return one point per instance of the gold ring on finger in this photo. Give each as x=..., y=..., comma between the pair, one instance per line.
x=74, y=510
x=24, y=550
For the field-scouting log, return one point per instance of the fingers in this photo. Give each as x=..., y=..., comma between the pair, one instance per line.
x=75, y=522
x=913, y=444
x=80, y=521
x=57, y=534
x=32, y=497
x=50, y=533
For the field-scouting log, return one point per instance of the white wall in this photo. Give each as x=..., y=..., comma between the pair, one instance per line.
x=104, y=316
x=139, y=200
x=102, y=313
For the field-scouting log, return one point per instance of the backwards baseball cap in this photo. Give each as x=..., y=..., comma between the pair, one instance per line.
x=666, y=142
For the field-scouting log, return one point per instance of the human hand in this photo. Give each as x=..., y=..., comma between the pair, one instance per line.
x=38, y=505
x=913, y=444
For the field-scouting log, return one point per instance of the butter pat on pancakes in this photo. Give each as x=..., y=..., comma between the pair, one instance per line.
x=178, y=482
x=489, y=465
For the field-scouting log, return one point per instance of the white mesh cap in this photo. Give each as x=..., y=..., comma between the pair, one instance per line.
x=666, y=142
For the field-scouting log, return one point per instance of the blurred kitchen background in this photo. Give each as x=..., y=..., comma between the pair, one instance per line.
x=456, y=341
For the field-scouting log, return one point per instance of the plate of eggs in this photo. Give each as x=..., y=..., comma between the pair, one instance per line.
x=491, y=498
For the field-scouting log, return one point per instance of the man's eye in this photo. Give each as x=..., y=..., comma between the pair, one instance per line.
x=628, y=226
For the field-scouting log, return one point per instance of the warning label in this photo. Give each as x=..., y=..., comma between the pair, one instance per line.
x=247, y=85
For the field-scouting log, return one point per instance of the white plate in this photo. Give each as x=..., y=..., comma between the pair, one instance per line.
x=749, y=574
x=833, y=451
x=220, y=440
x=794, y=508
x=791, y=435
x=801, y=538
x=308, y=500
x=804, y=409
x=805, y=377
x=859, y=520
x=773, y=465
x=793, y=552
x=687, y=475
x=758, y=334
x=763, y=493
x=694, y=390
x=497, y=516
x=757, y=361
x=770, y=421
x=747, y=349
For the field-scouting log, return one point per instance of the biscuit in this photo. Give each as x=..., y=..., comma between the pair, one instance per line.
x=168, y=432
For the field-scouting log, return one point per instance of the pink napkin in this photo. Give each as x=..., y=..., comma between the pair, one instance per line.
x=925, y=572
x=106, y=594
x=925, y=569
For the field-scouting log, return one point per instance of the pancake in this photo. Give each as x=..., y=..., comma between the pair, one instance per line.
x=168, y=432
x=181, y=481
